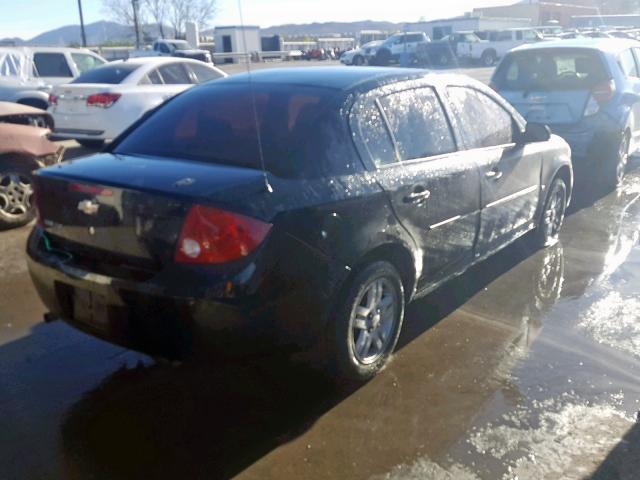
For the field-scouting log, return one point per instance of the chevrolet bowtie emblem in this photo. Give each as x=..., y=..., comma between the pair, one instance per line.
x=89, y=207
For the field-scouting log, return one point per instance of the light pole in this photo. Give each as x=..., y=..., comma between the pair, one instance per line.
x=134, y=3
x=84, y=36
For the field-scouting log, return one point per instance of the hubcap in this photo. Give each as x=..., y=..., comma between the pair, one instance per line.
x=554, y=214
x=15, y=194
x=623, y=158
x=373, y=321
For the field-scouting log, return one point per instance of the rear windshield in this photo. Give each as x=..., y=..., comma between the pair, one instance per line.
x=112, y=74
x=546, y=69
x=217, y=124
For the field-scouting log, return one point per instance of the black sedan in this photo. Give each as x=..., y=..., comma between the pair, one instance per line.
x=304, y=206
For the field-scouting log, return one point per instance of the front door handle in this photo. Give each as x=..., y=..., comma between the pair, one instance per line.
x=419, y=195
x=494, y=174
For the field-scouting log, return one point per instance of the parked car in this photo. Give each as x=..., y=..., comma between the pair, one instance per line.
x=319, y=229
x=102, y=103
x=497, y=44
x=399, y=45
x=27, y=73
x=24, y=147
x=587, y=91
x=443, y=52
x=361, y=55
x=174, y=48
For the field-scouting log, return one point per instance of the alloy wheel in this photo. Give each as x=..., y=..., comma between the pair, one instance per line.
x=553, y=216
x=373, y=320
x=16, y=192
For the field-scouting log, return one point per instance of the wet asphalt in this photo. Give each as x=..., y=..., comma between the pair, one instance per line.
x=527, y=366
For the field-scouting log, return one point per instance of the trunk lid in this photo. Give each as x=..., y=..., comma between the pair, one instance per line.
x=549, y=107
x=72, y=98
x=130, y=206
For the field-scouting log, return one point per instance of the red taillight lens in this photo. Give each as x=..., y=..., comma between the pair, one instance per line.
x=53, y=99
x=103, y=100
x=90, y=189
x=210, y=235
x=603, y=92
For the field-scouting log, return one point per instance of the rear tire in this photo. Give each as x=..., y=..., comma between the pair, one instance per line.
x=383, y=58
x=488, y=58
x=16, y=195
x=555, y=206
x=616, y=164
x=92, y=144
x=366, y=324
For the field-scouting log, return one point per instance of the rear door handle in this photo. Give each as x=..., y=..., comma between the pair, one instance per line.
x=494, y=174
x=419, y=195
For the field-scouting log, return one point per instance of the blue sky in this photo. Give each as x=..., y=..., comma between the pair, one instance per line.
x=27, y=18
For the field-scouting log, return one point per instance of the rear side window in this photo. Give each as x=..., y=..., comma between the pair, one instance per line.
x=51, y=65
x=546, y=69
x=174, y=74
x=216, y=124
x=203, y=73
x=418, y=123
x=85, y=62
x=470, y=107
x=628, y=64
x=375, y=136
x=112, y=74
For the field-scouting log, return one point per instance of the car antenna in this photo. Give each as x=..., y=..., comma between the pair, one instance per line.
x=267, y=185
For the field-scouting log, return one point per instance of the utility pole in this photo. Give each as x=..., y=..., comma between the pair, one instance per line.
x=134, y=3
x=84, y=36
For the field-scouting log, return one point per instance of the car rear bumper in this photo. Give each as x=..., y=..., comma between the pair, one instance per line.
x=143, y=316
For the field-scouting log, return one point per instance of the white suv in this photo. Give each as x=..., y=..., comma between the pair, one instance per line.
x=27, y=73
x=394, y=47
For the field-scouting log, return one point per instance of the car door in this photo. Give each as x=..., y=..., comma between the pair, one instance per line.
x=434, y=189
x=510, y=172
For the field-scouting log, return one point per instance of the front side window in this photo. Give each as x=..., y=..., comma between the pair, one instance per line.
x=85, y=62
x=51, y=65
x=174, y=74
x=418, y=123
x=483, y=122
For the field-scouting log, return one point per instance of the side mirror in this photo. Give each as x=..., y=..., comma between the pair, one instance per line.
x=535, y=132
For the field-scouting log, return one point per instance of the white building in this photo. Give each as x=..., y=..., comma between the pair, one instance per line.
x=231, y=39
x=437, y=29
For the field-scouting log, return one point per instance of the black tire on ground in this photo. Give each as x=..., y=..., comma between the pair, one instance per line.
x=616, y=162
x=488, y=58
x=383, y=58
x=359, y=319
x=552, y=217
x=92, y=144
x=34, y=102
x=16, y=194
x=358, y=60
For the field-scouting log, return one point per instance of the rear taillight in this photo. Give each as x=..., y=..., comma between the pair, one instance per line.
x=53, y=99
x=603, y=92
x=103, y=100
x=210, y=235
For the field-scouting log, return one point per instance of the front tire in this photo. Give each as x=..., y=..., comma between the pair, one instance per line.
x=383, y=58
x=548, y=230
x=358, y=60
x=488, y=58
x=16, y=195
x=367, y=323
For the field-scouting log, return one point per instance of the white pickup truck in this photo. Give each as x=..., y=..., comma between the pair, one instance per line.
x=497, y=44
x=173, y=48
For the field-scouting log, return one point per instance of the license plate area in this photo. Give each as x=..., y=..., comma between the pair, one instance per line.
x=91, y=309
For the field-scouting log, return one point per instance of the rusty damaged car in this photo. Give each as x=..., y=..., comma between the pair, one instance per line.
x=304, y=205
x=24, y=147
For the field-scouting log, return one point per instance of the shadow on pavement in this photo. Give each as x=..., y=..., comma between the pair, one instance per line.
x=623, y=462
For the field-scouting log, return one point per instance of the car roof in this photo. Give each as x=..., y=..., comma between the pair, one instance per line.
x=610, y=45
x=337, y=78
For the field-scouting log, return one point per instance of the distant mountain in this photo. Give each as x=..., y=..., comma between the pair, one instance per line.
x=98, y=33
